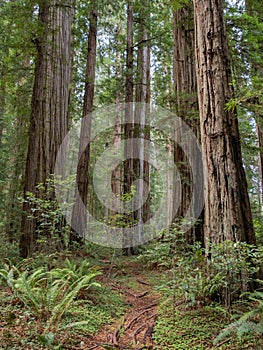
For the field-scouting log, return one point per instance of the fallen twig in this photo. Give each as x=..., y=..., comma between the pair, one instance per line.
x=150, y=306
x=142, y=282
x=223, y=342
x=105, y=344
x=93, y=347
x=141, y=295
x=137, y=296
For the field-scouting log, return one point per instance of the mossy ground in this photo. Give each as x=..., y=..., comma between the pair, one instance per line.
x=176, y=325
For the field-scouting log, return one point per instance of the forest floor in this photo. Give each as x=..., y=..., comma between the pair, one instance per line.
x=132, y=312
x=135, y=328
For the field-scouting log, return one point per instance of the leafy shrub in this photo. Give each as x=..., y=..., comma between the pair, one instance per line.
x=48, y=294
x=51, y=229
x=237, y=263
x=158, y=255
x=170, y=245
x=231, y=269
x=73, y=270
x=250, y=322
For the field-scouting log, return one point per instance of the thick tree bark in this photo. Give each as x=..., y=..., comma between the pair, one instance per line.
x=79, y=213
x=141, y=131
x=137, y=168
x=185, y=86
x=117, y=132
x=146, y=135
x=227, y=208
x=17, y=160
x=128, y=125
x=49, y=116
x=2, y=108
x=260, y=144
x=2, y=102
x=254, y=8
x=17, y=164
x=128, y=128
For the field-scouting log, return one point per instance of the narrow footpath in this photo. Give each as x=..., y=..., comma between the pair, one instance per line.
x=134, y=331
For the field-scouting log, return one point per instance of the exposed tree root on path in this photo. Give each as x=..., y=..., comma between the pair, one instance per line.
x=135, y=330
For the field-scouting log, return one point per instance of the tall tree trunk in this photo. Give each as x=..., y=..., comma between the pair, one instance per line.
x=170, y=151
x=49, y=116
x=141, y=166
x=2, y=111
x=227, y=208
x=260, y=163
x=128, y=125
x=2, y=101
x=128, y=128
x=117, y=173
x=185, y=86
x=17, y=164
x=146, y=134
x=17, y=160
x=79, y=213
x=254, y=8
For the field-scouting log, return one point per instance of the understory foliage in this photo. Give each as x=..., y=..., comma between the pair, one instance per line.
x=225, y=282
x=52, y=230
x=48, y=294
x=250, y=323
x=231, y=268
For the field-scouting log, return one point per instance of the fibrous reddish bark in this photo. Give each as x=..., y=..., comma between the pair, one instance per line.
x=227, y=208
x=50, y=100
x=79, y=212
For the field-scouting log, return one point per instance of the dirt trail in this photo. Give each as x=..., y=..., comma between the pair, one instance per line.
x=135, y=329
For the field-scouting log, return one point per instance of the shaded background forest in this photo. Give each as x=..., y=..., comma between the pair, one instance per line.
x=154, y=62
x=68, y=62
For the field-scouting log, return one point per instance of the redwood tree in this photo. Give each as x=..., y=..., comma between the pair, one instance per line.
x=50, y=100
x=254, y=9
x=227, y=208
x=142, y=98
x=128, y=127
x=117, y=132
x=185, y=88
x=79, y=213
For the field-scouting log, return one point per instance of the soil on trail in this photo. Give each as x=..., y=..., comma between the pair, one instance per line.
x=135, y=329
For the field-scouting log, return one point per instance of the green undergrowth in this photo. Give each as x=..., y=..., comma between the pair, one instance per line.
x=184, y=328
x=47, y=307
x=190, y=315
x=21, y=330
x=108, y=306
